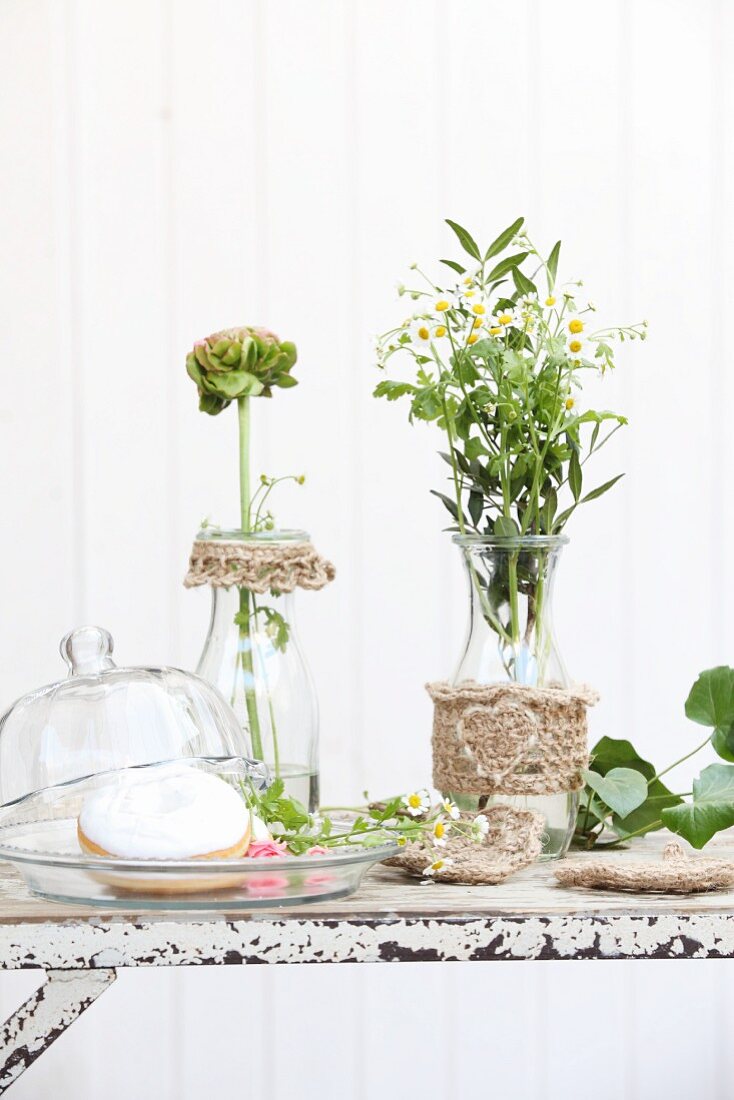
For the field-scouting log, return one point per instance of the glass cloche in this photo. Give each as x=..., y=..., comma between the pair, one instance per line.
x=104, y=717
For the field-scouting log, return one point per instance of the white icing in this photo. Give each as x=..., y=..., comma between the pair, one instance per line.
x=170, y=813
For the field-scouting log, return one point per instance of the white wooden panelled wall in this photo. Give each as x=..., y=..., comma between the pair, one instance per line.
x=172, y=167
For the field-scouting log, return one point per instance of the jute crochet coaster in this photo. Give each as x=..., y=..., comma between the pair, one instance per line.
x=514, y=841
x=677, y=873
x=259, y=566
x=508, y=738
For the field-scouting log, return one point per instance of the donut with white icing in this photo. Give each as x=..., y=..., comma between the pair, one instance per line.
x=175, y=813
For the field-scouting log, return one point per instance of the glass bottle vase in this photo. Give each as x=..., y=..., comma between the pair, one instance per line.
x=253, y=655
x=510, y=640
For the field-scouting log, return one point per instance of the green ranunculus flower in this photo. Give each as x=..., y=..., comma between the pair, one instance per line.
x=239, y=362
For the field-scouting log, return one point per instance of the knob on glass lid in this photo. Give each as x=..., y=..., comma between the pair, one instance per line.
x=103, y=717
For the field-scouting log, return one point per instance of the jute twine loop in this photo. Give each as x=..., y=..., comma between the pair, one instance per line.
x=514, y=841
x=259, y=566
x=677, y=873
x=508, y=738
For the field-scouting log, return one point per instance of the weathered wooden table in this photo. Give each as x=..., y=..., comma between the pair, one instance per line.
x=391, y=919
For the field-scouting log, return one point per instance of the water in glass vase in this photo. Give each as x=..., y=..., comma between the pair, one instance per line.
x=511, y=642
x=299, y=784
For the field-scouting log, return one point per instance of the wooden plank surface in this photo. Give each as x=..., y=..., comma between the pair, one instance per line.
x=391, y=918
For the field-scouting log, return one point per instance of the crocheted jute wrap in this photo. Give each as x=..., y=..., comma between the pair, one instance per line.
x=514, y=841
x=677, y=873
x=259, y=566
x=508, y=738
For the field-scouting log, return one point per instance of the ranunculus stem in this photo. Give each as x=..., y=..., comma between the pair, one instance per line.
x=247, y=640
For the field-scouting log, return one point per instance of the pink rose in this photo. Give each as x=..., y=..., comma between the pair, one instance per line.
x=269, y=886
x=270, y=849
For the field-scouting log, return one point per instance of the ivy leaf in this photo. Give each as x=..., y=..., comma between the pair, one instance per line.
x=454, y=266
x=621, y=789
x=647, y=817
x=506, y=265
x=553, y=264
x=466, y=240
x=711, y=810
x=500, y=243
x=711, y=703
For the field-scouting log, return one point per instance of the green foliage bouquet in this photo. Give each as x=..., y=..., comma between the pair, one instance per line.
x=498, y=358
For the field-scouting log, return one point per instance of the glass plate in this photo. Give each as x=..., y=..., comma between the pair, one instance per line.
x=38, y=835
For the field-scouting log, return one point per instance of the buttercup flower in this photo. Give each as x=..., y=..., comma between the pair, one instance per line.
x=417, y=803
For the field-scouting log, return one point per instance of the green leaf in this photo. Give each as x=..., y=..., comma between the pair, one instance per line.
x=711, y=703
x=615, y=752
x=500, y=243
x=506, y=265
x=523, y=284
x=285, y=381
x=505, y=527
x=476, y=506
x=711, y=810
x=392, y=390
x=454, y=266
x=448, y=503
x=647, y=817
x=575, y=477
x=621, y=789
x=466, y=240
x=600, y=489
x=553, y=264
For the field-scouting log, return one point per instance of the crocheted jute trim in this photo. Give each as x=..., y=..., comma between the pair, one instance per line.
x=508, y=738
x=261, y=567
x=676, y=874
x=514, y=840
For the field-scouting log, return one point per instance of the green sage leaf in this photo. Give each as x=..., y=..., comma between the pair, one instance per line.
x=499, y=244
x=553, y=264
x=506, y=265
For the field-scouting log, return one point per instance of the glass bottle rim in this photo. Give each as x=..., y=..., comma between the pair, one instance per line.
x=237, y=534
x=512, y=542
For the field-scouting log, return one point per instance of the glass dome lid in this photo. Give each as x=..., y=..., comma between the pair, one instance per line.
x=103, y=717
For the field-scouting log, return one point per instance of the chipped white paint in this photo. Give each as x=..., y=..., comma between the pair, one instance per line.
x=54, y=1006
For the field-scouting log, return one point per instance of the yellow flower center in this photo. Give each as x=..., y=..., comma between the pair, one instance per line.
x=468, y=281
x=423, y=332
x=550, y=300
x=440, y=331
x=504, y=318
x=478, y=308
x=570, y=403
x=414, y=801
x=576, y=326
x=438, y=830
x=495, y=332
x=469, y=293
x=442, y=305
x=437, y=865
x=473, y=338
x=477, y=322
x=575, y=346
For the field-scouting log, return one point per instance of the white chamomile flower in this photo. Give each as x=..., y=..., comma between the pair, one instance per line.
x=437, y=866
x=551, y=300
x=417, y=803
x=504, y=319
x=439, y=831
x=571, y=291
x=480, y=826
x=577, y=348
x=443, y=302
x=574, y=325
x=450, y=809
x=420, y=333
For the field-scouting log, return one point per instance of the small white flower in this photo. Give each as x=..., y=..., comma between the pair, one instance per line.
x=443, y=302
x=575, y=325
x=420, y=333
x=504, y=319
x=417, y=803
x=437, y=866
x=451, y=809
x=439, y=830
x=480, y=827
x=577, y=349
